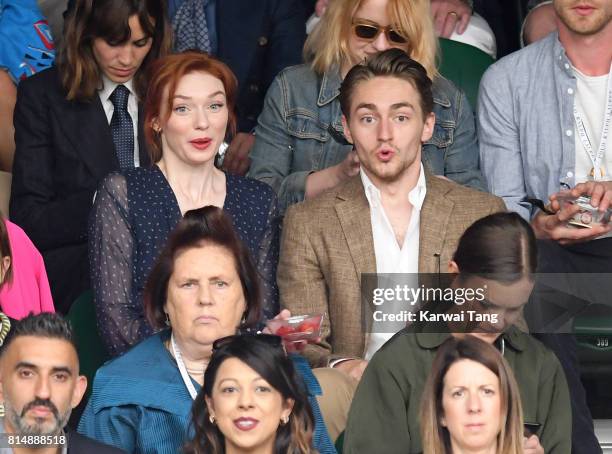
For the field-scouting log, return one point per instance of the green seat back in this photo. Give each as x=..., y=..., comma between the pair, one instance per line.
x=339, y=445
x=464, y=65
x=593, y=330
x=92, y=353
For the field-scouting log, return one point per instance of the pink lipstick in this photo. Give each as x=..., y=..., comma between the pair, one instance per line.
x=246, y=424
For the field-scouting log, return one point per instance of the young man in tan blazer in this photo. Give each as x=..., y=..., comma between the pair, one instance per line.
x=392, y=217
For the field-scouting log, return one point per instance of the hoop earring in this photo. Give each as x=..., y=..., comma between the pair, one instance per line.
x=284, y=420
x=211, y=418
x=167, y=320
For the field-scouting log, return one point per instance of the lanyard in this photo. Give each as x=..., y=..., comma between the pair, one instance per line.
x=182, y=368
x=596, y=157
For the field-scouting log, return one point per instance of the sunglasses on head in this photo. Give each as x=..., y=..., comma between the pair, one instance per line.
x=369, y=31
x=269, y=339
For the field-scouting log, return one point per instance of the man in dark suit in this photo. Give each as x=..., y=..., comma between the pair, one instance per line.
x=40, y=385
x=256, y=39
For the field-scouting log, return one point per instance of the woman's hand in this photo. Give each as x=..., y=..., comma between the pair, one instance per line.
x=282, y=315
x=320, y=7
x=532, y=445
x=237, y=159
x=349, y=167
x=450, y=15
x=328, y=178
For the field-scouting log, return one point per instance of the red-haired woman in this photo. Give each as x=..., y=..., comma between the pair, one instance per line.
x=189, y=112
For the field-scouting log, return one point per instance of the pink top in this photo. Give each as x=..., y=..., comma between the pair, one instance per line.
x=29, y=290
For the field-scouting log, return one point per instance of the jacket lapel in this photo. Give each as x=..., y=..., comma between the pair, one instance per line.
x=435, y=216
x=354, y=215
x=90, y=135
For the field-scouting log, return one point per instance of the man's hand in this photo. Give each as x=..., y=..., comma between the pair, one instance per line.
x=236, y=159
x=554, y=226
x=320, y=7
x=291, y=347
x=599, y=191
x=532, y=445
x=450, y=15
x=353, y=367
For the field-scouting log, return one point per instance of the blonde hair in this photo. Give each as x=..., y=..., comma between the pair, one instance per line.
x=327, y=46
x=435, y=437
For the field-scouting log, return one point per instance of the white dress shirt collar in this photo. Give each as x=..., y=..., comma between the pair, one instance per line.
x=132, y=107
x=109, y=86
x=416, y=196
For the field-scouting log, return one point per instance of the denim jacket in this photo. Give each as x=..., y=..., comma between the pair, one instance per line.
x=300, y=131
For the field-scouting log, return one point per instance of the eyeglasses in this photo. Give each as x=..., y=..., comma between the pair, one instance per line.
x=369, y=31
x=269, y=339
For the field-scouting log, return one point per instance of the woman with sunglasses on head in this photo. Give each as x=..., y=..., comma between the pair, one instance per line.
x=78, y=121
x=204, y=286
x=471, y=403
x=189, y=112
x=300, y=149
x=492, y=272
x=251, y=402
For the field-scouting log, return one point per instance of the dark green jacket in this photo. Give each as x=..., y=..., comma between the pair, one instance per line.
x=384, y=413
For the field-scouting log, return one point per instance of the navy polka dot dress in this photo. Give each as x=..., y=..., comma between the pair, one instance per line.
x=133, y=215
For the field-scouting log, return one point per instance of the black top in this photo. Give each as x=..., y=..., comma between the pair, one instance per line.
x=80, y=444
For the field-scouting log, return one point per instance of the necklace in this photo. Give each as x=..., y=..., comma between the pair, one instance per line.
x=183, y=369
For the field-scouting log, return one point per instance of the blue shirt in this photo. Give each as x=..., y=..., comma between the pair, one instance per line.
x=526, y=124
x=211, y=20
x=140, y=404
x=27, y=45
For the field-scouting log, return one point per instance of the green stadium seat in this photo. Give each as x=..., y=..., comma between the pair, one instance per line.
x=92, y=353
x=593, y=330
x=464, y=65
x=339, y=445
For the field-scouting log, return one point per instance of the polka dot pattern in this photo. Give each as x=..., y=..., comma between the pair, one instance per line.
x=133, y=215
x=122, y=128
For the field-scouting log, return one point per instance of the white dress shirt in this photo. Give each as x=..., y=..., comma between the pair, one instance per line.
x=104, y=94
x=390, y=257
